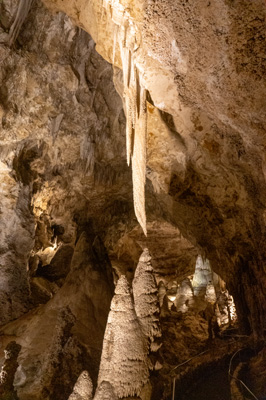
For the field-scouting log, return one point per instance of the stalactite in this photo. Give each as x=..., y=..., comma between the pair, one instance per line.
x=21, y=15
x=135, y=104
x=145, y=294
x=124, y=362
x=139, y=162
x=116, y=32
x=129, y=130
x=83, y=388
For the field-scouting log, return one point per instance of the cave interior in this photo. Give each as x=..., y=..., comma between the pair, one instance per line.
x=132, y=199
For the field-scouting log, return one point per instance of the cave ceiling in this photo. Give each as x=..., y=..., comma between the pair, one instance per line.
x=176, y=90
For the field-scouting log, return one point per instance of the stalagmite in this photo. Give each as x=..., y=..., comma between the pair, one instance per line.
x=145, y=294
x=124, y=362
x=184, y=296
x=161, y=292
x=210, y=293
x=83, y=388
x=105, y=392
x=203, y=276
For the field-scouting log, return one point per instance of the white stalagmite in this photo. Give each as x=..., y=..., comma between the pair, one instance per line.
x=124, y=361
x=83, y=388
x=145, y=293
x=135, y=103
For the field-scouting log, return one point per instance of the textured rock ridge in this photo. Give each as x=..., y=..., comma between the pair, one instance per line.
x=124, y=362
x=132, y=328
x=145, y=293
x=83, y=388
x=207, y=126
x=105, y=391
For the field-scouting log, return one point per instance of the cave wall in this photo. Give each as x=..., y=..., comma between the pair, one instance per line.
x=203, y=66
x=66, y=186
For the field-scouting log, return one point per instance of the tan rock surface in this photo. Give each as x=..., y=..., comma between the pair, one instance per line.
x=195, y=73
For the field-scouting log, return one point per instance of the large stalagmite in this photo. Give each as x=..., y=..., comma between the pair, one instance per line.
x=124, y=363
x=145, y=293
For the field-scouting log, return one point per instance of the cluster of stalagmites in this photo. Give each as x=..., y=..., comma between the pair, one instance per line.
x=131, y=332
x=205, y=291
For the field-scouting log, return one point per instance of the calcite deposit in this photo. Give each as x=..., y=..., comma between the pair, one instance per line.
x=132, y=176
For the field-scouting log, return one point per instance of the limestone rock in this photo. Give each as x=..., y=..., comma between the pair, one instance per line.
x=105, y=392
x=8, y=370
x=124, y=362
x=59, y=266
x=145, y=293
x=64, y=337
x=184, y=296
x=83, y=388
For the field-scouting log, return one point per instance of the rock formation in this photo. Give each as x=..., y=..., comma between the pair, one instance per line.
x=177, y=90
x=64, y=336
x=213, y=175
x=145, y=294
x=8, y=371
x=124, y=362
x=83, y=388
x=105, y=391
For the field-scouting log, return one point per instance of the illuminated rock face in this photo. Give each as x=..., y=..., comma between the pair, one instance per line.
x=61, y=343
x=209, y=143
x=191, y=122
x=124, y=362
x=131, y=333
x=145, y=293
x=83, y=388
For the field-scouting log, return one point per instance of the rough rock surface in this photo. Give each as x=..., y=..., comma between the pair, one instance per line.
x=62, y=338
x=124, y=362
x=145, y=294
x=191, y=122
x=83, y=388
x=8, y=371
x=210, y=109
